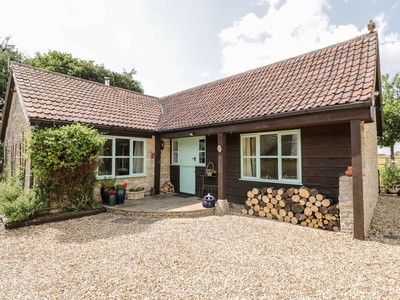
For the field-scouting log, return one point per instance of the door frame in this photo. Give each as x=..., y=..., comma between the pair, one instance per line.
x=176, y=157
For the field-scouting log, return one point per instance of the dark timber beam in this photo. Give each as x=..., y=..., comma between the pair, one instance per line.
x=157, y=165
x=221, y=166
x=356, y=160
x=276, y=123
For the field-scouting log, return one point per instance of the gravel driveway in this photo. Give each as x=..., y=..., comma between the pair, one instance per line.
x=230, y=257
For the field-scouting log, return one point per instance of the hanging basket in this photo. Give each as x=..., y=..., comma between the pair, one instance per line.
x=210, y=169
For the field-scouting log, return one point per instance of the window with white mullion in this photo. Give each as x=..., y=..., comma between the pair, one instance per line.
x=123, y=156
x=275, y=156
x=249, y=157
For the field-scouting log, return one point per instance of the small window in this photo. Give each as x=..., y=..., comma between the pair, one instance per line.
x=271, y=156
x=174, y=152
x=202, y=151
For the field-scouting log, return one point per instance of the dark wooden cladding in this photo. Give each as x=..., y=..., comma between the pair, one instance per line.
x=174, y=177
x=326, y=153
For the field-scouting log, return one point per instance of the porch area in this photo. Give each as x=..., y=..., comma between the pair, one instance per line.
x=162, y=206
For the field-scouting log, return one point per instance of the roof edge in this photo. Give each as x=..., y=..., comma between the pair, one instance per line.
x=366, y=103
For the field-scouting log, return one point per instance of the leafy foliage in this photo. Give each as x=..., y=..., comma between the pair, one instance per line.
x=64, y=161
x=8, y=52
x=65, y=63
x=18, y=204
x=391, y=112
x=390, y=176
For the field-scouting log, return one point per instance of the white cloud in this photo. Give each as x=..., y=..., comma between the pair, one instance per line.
x=287, y=30
x=205, y=74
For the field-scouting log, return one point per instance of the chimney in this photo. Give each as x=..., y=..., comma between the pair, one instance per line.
x=107, y=80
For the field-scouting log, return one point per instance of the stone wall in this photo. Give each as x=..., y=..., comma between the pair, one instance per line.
x=17, y=134
x=370, y=183
x=165, y=162
x=346, y=204
x=370, y=171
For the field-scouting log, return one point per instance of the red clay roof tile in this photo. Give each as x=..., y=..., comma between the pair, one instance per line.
x=53, y=96
x=339, y=74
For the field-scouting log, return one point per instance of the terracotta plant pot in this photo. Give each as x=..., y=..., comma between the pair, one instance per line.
x=349, y=171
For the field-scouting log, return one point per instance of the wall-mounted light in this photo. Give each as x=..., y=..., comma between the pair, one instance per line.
x=191, y=134
x=161, y=144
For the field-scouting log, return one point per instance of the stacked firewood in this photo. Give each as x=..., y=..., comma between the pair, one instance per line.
x=303, y=206
x=167, y=188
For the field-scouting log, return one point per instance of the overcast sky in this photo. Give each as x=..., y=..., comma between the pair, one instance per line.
x=178, y=44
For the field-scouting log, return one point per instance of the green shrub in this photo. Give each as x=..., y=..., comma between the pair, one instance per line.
x=17, y=204
x=390, y=176
x=64, y=161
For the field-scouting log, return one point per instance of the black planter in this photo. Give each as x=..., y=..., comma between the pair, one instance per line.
x=105, y=196
x=121, y=194
x=112, y=199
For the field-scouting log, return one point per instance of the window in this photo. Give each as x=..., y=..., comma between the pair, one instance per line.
x=123, y=157
x=271, y=156
x=175, y=148
x=202, y=151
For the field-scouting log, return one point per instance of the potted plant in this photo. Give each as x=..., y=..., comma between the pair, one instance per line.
x=112, y=197
x=137, y=193
x=121, y=193
x=105, y=185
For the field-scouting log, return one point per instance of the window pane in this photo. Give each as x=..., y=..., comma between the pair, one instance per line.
x=138, y=148
x=107, y=148
x=105, y=166
x=268, y=145
x=202, y=145
x=175, y=157
x=202, y=157
x=175, y=146
x=289, y=168
x=289, y=145
x=122, y=166
x=269, y=168
x=249, y=167
x=122, y=147
x=138, y=165
x=249, y=146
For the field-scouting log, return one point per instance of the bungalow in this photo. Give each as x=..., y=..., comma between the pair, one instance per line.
x=300, y=121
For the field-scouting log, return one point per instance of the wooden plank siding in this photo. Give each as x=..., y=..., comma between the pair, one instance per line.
x=174, y=177
x=326, y=153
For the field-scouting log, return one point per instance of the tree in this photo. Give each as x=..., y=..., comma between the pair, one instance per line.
x=391, y=113
x=65, y=63
x=8, y=52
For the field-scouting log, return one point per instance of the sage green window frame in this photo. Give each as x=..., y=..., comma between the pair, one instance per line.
x=251, y=159
x=175, y=152
x=132, y=157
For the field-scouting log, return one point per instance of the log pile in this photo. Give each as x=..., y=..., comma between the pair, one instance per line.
x=303, y=206
x=167, y=188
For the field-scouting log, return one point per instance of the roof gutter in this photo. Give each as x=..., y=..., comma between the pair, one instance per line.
x=360, y=104
x=39, y=121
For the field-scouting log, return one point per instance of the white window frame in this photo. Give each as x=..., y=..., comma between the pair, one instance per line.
x=130, y=156
x=279, y=156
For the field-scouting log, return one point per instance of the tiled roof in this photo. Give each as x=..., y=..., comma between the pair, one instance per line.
x=53, y=96
x=339, y=74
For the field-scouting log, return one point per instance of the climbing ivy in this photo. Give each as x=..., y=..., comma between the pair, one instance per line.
x=64, y=161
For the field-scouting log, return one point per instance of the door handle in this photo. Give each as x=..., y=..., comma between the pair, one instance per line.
x=194, y=158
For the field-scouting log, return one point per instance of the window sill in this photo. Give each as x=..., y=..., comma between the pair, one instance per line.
x=296, y=182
